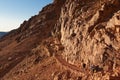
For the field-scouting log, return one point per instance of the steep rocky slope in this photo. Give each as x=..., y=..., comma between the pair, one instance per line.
x=67, y=40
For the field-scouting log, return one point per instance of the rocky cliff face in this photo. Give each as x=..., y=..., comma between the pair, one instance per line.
x=89, y=35
x=67, y=40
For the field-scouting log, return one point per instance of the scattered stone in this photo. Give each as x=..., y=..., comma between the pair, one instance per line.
x=10, y=58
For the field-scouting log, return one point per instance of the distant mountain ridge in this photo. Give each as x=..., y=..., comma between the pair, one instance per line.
x=2, y=34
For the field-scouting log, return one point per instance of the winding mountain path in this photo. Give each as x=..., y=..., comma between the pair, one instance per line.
x=66, y=64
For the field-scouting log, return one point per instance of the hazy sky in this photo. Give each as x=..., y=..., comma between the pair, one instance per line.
x=14, y=12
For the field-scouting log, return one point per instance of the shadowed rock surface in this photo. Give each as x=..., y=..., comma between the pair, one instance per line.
x=67, y=40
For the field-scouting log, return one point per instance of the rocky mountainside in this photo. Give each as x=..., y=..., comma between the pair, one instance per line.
x=2, y=34
x=67, y=40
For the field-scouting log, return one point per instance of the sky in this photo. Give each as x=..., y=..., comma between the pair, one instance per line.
x=14, y=12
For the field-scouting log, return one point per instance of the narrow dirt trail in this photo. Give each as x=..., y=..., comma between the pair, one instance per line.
x=63, y=62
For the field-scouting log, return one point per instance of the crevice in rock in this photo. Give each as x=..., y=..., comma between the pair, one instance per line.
x=105, y=14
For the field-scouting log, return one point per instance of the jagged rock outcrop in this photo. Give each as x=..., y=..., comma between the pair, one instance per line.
x=90, y=38
x=67, y=40
x=91, y=33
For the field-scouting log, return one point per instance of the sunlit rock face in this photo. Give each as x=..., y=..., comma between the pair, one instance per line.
x=90, y=32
